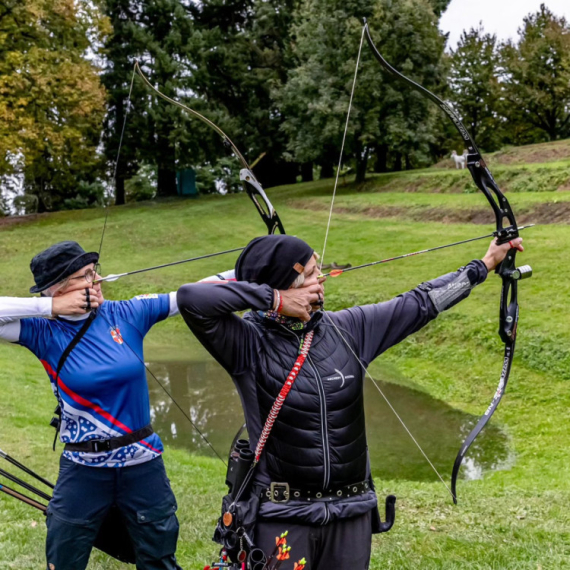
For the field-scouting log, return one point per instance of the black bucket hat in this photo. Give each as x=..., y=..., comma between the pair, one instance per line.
x=58, y=262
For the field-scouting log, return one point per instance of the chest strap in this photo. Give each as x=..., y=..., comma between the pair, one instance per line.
x=56, y=420
x=101, y=445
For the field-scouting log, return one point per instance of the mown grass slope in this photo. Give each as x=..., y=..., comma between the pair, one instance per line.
x=515, y=519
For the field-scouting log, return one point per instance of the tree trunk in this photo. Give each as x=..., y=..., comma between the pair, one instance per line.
x=119, y=190
x=408, y=162
x=166, y=165
x=397, y=161
x=361, y=163
x=327, y=170
x=307, y=172
x=271, y=173
x=381, y=164
x=553, y=133
x=166, y=181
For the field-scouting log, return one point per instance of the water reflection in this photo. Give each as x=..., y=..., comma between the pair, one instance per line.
x=206, y=393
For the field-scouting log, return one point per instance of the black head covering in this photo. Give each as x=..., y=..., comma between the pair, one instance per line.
x=58, y=262
x=275, y=260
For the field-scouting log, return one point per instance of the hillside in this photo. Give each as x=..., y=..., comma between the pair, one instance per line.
x=557, y=151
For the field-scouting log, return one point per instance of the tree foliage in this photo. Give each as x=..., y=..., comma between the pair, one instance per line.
x=536, y=78
x=474, y=82
x=238, y=54
x=316, y=98
x=275, y=75
x=52, y=103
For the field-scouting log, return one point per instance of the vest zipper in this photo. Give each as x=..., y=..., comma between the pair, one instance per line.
x=323, y=408
x=324, y=428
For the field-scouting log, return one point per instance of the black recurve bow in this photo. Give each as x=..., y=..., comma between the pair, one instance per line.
x=506, y=230
x=250, y=184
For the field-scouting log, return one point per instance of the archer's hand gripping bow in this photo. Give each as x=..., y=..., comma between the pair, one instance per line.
x=506, y=230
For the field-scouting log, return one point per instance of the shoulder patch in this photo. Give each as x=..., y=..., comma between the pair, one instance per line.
x=146, y=296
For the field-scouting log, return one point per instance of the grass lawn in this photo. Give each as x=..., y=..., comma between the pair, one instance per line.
x=516, y=518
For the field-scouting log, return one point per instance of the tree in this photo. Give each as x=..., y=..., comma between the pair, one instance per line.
x=439, y=6
x=123, y=127
x=53, y=103
x=384, y=116
x=238, y=53
x=474, y=73
x=536, y=79
x=154, y=33
x=411, y=41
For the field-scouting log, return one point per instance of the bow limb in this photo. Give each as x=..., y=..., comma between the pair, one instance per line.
x=506, y=230
x=249, y=182
x=194, y=113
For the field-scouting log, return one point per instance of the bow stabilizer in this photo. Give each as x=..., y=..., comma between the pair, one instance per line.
x=506, y=230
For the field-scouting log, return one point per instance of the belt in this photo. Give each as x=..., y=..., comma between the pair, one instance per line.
x=99, y=445
x=283, y=492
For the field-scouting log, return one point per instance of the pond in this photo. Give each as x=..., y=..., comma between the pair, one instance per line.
x=206, y=393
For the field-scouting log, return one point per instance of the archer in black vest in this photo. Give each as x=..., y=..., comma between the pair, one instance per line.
x=305, y=420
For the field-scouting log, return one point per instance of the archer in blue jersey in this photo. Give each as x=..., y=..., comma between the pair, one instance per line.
x=111, y=468
x=102, y=387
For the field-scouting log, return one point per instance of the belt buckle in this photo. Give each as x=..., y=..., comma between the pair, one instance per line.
x=275, y=488
x=100, y=445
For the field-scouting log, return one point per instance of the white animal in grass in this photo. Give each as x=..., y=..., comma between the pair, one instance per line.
x=459, y=160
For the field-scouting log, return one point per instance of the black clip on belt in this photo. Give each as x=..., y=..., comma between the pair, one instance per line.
x=101, y=445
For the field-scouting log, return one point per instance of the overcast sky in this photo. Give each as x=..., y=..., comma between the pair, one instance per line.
x=501, y=17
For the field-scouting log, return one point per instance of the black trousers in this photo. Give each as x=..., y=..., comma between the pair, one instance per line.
x=83, y=496
x=340, y=545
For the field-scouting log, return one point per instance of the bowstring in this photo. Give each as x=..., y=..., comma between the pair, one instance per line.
x=390, y=405
x=367, y=373
x=342, y=148
x=115, y=170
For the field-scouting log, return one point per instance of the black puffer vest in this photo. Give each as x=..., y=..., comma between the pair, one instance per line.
x=319, y=439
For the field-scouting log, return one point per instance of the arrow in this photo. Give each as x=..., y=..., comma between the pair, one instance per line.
x=25, y=485
x=338, y=272
x=115, y=277
x=17, y=464
x=22, y=498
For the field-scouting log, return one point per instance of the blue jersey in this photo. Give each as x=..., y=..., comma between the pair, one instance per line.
x=103, y=388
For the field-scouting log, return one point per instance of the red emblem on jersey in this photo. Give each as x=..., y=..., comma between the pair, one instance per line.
x=116, y=334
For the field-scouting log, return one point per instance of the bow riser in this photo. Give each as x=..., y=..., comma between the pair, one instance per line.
x=502, y=209
x=261, y=201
